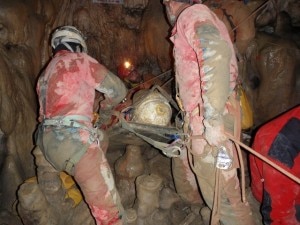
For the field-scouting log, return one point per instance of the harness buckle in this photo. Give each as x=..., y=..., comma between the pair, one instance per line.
x=224, y=161
x=60, y=122
x=174, y=149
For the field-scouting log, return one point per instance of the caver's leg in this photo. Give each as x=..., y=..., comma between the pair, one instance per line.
x=94, y=176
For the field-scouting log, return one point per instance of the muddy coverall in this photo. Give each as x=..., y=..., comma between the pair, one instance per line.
x=279, y=141
x=66, y=136
x=206, y=73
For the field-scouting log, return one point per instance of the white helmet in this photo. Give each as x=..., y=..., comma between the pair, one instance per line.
x=151, y=107
x=68, y=34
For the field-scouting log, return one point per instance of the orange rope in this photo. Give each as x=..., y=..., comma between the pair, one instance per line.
x=285, y=172
x=243, y=183
x=251, y=14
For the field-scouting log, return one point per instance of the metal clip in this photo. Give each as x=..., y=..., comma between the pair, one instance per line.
x=60, y=122
x=174, y=149
x=224, y=161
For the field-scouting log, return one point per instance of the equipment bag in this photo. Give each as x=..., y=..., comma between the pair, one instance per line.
x=247, y=113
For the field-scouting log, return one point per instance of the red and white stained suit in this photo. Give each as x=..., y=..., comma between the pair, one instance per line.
x=206, y=73
x=66, y=92
x=279, y=141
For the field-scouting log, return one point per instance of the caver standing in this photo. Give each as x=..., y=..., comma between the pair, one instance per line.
x=66, y=91
x=206, y=74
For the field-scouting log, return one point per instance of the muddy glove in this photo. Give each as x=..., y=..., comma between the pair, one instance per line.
x=105, y=117
x=214, y=135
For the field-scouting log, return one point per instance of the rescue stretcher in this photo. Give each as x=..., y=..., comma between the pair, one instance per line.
x=168, y=139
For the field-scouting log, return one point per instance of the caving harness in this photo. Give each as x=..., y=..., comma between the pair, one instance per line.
x=73, y=121
x=69, y=122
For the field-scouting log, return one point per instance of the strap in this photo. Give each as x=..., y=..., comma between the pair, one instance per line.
x=70, y=164
x=73, y=121
x=265, y=159
x=237, y=134
x=229, y=19
x=177, y=96
x=44, y=88
x=215, y=214
x=73, y=117
x=166, y=95
x=170, y=150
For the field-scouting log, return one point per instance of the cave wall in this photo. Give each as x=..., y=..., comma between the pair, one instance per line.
x=137, y=31
x=114, y=33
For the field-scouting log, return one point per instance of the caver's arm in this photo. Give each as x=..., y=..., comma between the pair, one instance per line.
x=113, y=89
x=214, y=56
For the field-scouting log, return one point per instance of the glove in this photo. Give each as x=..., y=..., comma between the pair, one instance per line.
x=105, y=117
x=214, y=135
